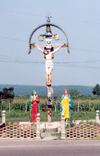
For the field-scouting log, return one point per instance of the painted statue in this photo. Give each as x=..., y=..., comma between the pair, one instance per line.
x=48, y=46
x=33, y=106
x=66, y=105
x=49, y=64
x=48, y=52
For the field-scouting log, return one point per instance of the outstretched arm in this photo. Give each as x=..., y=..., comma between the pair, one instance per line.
x=57, y=49
x=39, y=48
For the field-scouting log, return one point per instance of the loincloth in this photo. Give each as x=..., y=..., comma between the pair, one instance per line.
x=49, y=65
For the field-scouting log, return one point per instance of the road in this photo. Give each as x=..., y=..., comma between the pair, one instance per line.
x=50, y=148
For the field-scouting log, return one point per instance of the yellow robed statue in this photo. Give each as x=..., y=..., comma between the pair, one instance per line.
x=65, y=104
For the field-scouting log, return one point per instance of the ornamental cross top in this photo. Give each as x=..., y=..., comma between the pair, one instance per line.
x=48, y=18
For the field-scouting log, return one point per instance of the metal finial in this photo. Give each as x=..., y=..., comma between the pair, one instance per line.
x=48, y=18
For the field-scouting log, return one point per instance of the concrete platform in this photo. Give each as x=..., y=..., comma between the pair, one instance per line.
x=25, y=123
x=47, y=125
x=50, y=125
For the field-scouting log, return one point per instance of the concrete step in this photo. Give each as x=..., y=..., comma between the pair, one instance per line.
x=50, y=134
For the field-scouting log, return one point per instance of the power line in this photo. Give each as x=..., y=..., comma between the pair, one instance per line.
x=85, y=50
x=8, y=38
x=21, y=12
x=71, y=20
x=18, y=59
x=3, y=57
x=69, y=64
x=74, y=66
x=70, y=48
x=80, y=21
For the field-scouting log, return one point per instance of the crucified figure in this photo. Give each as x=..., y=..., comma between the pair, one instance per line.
x=49, y=64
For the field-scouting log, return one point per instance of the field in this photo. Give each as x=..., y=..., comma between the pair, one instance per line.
x=84, y=108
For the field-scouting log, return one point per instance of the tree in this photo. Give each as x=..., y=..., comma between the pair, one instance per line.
x=74, y=92
x=96, y=90
x=1, y=95
x=7, y=95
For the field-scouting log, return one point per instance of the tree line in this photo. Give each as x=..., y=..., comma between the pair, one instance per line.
x=7, y=94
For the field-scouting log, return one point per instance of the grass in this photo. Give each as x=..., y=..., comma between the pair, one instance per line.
x=83, y=115
x=20, y=115
x=16, y=116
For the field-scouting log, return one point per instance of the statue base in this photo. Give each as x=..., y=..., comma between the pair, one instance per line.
x=48, y=83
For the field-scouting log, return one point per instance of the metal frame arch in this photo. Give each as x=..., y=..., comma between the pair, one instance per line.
x=46, y=24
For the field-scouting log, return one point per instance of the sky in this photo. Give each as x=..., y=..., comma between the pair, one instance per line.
x=81, y=22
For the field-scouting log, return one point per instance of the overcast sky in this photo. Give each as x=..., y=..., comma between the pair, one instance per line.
x=80, y=19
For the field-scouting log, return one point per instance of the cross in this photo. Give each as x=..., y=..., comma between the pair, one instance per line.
x=48, y=17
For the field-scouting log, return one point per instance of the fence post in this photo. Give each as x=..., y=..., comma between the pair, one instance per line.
x=63, y=127
x=97, y=116
x=26, y=107
x=9, y=107
x=78, y=106
x=38, y=126
x=3, y=116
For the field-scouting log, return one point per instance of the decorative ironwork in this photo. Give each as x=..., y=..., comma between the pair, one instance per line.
x=49, y=111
